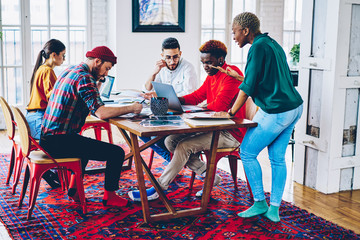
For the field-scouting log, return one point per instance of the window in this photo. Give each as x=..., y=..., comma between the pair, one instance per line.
x=24, y=37
x=292, y=25
x=216, y=20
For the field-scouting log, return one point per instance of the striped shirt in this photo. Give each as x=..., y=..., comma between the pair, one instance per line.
x=74, y=95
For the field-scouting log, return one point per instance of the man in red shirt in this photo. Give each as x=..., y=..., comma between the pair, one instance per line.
x=220, y=91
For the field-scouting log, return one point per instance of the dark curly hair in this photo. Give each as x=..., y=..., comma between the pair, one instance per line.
x=215, y=48
x=170, y=43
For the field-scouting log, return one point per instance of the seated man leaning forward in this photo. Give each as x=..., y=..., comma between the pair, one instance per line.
x=220, y=91
x=176, y=71
x=75, y=94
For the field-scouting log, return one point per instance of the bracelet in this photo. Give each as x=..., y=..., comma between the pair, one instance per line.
x=229, y=112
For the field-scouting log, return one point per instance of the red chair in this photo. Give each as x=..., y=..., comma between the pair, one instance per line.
x=233, y=156
x=39, y=162
x=97, y=125
x=10, y=129
x=232, y=153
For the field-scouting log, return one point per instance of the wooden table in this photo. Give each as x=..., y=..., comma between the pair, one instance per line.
x=135, y=129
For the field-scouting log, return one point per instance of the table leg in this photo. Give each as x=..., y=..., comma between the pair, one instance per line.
x=210, y=171
x=143, y=196
x=140, y=176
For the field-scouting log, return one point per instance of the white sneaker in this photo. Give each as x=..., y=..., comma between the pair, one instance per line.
x=217, y=180
x=151, y=194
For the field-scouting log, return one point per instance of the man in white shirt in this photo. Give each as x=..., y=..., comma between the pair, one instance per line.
x=174, y=70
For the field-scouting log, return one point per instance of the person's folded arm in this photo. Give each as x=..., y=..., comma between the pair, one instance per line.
x=89, y=92
x=105, y=112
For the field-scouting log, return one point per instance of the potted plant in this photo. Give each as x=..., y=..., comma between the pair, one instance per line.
x=295, y=53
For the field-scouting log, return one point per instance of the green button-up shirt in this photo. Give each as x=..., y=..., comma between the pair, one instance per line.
x=268, y=78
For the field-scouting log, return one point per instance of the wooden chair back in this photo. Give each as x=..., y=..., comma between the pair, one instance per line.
x=24, y=131
x=9, y=118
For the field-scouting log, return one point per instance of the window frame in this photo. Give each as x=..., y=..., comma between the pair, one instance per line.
x=294, y=31
x=26, y=44
x=228, y=30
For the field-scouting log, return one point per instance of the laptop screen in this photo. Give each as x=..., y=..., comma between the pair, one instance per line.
x=107, y=86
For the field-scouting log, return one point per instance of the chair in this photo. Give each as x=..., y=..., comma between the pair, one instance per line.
x=15, y=150
x=97, y=125
x=92, y=122
x=39, y=162
x=232, y=153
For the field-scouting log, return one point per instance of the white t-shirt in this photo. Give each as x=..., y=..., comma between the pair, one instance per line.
x=183, y=78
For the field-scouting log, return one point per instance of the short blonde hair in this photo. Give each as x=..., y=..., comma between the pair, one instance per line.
x=248, y=20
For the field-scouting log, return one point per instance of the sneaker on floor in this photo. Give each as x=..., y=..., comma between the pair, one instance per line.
x=151, y=194
x=217, y=180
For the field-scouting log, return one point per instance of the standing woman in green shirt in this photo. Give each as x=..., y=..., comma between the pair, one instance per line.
x=268, y=81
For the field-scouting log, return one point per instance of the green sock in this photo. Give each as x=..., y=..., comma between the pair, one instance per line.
x=273, y=213
x=258, y=208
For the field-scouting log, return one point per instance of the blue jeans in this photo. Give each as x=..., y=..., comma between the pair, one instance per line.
x=34, y=119
x=159, y=148
x=273, y=131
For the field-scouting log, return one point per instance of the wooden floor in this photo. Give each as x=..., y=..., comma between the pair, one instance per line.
x=341, y=208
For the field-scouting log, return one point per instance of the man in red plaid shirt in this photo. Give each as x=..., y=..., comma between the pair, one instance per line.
x=75, y=94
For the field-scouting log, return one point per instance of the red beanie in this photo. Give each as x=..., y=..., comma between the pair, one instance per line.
x=102, y=52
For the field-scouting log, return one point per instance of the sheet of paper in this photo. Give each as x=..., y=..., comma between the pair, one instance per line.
x=205, y=115
x=207, y=122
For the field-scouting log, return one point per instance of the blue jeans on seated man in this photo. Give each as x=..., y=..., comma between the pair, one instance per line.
x=159, y=148
x=34, y=119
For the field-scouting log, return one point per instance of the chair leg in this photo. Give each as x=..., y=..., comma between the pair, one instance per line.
x=97, y=131
x=151, y=158
x=233, y=168
x=37, y=172
x=80, y=186
x=108, y=129
x=192, y=180
x=25, y=184
x=11, y=166
x=18, y=167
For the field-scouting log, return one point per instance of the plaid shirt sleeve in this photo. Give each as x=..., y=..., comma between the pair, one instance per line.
x=89, y=92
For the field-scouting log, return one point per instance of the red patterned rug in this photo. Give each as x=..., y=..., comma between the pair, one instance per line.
x=55, y=217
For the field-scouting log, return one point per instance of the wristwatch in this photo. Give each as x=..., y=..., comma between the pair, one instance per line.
x=102, y=80
x=230, y=113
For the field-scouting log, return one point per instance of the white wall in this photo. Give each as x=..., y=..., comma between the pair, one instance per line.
x=138, y=52
x=271, y=15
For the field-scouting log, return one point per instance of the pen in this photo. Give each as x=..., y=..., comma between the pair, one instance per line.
x=142, y=101
x=170, y=113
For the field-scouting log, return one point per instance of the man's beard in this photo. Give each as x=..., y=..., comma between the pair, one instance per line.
x=96, y=72
x=173, y=67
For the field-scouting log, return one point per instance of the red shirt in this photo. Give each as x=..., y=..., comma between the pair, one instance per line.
x=220, y=92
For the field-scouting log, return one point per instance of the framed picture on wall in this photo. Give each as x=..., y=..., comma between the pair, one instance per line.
x=158, y=15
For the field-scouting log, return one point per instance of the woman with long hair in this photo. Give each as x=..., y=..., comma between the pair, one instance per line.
x=42, y=83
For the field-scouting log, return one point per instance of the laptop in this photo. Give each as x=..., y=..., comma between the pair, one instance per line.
x=106, y=88
x=167, y=91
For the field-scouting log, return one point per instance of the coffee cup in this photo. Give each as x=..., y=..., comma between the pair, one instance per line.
x=159, y=105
